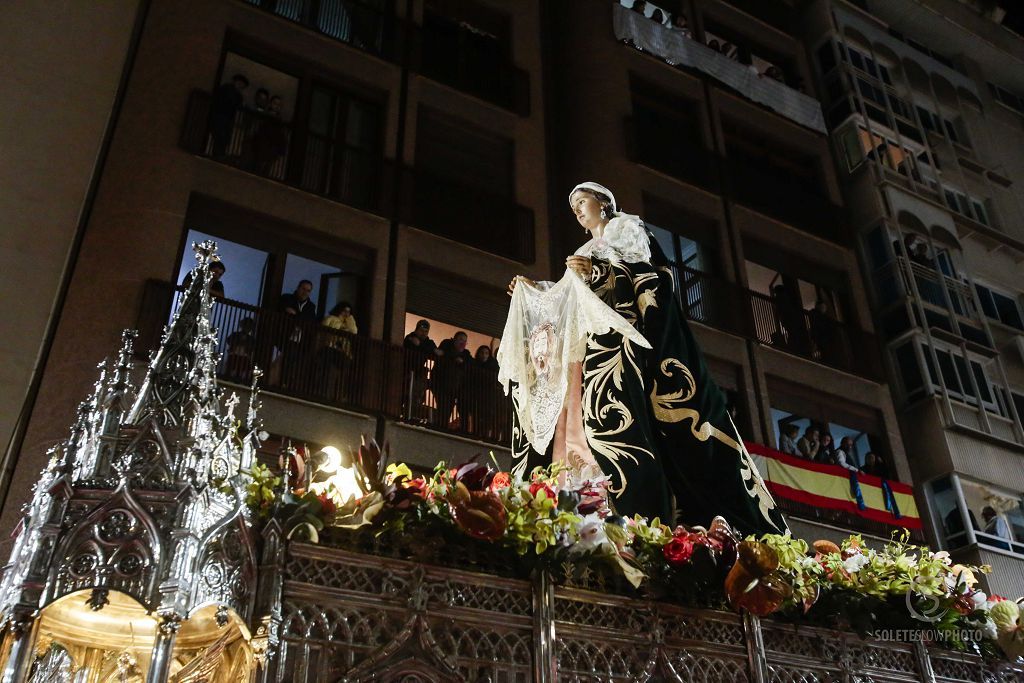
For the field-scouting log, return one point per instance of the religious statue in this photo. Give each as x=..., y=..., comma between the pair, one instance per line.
x=604, y=372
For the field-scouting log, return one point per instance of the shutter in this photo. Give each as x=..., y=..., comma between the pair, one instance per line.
x=456, y=301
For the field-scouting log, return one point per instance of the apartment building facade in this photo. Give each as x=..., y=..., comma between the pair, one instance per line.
x=921, y=107
x=410, y=158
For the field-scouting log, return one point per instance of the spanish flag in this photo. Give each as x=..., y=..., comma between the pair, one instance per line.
x=833, y=487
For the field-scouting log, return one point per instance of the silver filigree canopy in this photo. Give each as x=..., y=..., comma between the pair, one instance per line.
x=147, y=494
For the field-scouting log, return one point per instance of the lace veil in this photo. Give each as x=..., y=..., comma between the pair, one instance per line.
x=546, y=331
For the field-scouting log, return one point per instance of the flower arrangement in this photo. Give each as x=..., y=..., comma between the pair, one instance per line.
x=562, y=521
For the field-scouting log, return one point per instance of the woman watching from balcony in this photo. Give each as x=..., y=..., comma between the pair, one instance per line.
x=641, y=406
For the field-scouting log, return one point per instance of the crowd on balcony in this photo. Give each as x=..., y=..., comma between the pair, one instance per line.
x=251, y=131
x=816, y=444
x=451, y=388
x=680, y=24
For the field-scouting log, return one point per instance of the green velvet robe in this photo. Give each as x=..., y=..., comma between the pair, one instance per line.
x=655, y=420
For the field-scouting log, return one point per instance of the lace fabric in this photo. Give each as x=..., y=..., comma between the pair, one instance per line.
x=547, y=330
x=625, y=240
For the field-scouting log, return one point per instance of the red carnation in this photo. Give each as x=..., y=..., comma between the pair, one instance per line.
x=327, y=506
x=678, y=551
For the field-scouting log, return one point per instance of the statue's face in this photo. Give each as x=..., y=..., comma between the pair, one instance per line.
x=587, y=209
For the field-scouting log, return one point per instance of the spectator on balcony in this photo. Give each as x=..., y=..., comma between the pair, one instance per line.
x=791, y=317
x=485, y=360
x=227, y=100
x=449, y=377
x=680, y=24
x=419, y=349
x=787, y=439
x=809, y=443
x=270, y=140
x=296, y=343
x=995, y=525
x=875, y=466
x=341, y=319
x=334, y=359
x=826, y=450
x=715, y=45
x=920, y=255
x=482, y=395
x=825, y=332
x=261, y=101
x=217, y=270
x=241, y=351
x=846, y=455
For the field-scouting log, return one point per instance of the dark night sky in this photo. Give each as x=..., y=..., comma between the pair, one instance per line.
x=1014, y=19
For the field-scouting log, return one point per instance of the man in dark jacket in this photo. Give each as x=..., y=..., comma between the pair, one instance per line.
x=449, y=376
x=298, y=334
x=226, y=102
x=419, y=348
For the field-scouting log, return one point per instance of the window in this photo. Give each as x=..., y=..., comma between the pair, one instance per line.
x=290, y=126
x=996, y=515
x=342, y=153
x=965, y=205
x=468, y=46
x=1000, y=307
x=1006, y=97
x=910, y=371
x=862, y=61
x=465, y=180
x=667, y=133
x=863, y=443
x=245, y=267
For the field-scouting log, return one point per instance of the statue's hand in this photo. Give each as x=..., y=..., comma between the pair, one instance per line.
x=581, y=265
x=517, y=278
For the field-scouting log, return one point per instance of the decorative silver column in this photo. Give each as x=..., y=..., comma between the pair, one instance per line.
x=163, y=649
x=20, y=659
x=545, y=659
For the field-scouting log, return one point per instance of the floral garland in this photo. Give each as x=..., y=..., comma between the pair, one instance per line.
x=562, y=521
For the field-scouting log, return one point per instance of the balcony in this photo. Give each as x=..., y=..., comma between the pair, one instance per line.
x=824, y=493
x=307, y=361
x=425, y=50
x=724, y=305
x=361, y=178
x=676, y=49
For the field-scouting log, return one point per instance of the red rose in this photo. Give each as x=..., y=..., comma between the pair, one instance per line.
x=502, y=480
x=538, y=486
x=678, y=551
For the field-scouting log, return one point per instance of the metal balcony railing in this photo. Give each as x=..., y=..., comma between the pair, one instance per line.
x=360, y=177
x=306, y=360
x=364, y=25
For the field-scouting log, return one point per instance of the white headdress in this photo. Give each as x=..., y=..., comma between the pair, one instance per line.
x=596, y=187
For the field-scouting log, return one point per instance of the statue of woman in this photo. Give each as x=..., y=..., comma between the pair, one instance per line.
x=652, y=418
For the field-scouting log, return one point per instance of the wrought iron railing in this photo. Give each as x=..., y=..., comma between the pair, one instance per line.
x=367, y=26
x=359, y=177
x=306, y=360
x=788, y=327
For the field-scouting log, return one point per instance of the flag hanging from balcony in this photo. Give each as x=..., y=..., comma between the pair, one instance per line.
x=832, y=487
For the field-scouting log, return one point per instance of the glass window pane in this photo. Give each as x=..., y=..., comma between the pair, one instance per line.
x=950, y=520
x=982, y=380
x=987, y=305
x=948, y=372
x=245, y=267
x=665, y=240
x=1008, y=311
x=910, y=373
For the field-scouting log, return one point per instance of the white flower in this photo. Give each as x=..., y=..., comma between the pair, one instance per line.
x=855, y=563
x=942, y=555
x=989, y=629
x=591, y=533
x=980, y=600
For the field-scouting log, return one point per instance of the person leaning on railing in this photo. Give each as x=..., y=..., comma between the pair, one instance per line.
x=334, y=355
